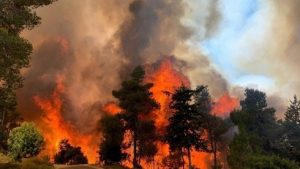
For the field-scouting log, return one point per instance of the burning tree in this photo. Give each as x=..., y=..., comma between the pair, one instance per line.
x=214, y=126
x=137, y=103
x=184, y=132
x=69, y=155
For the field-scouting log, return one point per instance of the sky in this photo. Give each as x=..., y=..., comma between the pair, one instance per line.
x=255, y=44
x=238, y=18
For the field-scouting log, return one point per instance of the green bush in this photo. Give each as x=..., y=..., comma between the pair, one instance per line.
x=25, y=141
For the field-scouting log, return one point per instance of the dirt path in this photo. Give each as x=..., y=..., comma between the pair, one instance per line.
x=76, y=167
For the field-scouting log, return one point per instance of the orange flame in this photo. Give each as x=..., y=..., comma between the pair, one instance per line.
x=112, y=108
x=224, y=105
x=166, y=80
x=55, y=128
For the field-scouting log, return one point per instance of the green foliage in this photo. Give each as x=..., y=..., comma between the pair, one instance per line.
x=243, y=156
x=15, y=16
x=292, y=115
x=257, y=119
x=69, y=155
x=25, y=141
x=14, y=55
x=288, y=145
x=260, y=141
x=111, y=146
x=137, y=103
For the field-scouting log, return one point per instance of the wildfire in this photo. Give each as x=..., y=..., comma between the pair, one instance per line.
x=112, y=108
x=224, y=105
x=166, y=80
x=55, y=128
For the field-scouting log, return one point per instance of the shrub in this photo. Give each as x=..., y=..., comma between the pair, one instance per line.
x=25, y=141
x=69, y=155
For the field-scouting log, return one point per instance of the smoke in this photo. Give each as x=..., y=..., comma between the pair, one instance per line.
x=95, y=44
x=269, y=46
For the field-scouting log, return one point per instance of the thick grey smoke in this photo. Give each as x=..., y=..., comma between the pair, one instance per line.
x=95, y=44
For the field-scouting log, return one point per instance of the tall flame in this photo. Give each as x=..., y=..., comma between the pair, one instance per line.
x=224, y=105
x=166, y=79
x=55, y=128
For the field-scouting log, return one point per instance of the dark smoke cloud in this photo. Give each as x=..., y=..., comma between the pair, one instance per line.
x=95, y=44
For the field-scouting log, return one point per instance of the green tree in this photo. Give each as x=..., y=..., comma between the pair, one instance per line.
x=112, y=132
x=243, y=155
x=137, y=103
x=185, y=131
x=292, y=115
x=257, y=118
x=289, y=143
x=15, y=16
x=25, y=141
x=255, y=146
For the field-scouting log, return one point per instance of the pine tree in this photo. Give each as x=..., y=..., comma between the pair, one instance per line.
x=137, y=102
x=184, y=131
x=292, y=115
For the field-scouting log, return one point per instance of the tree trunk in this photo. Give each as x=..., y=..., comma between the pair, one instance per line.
x=189, y=158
